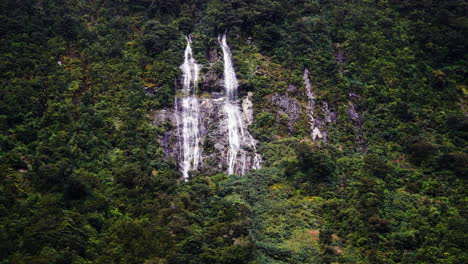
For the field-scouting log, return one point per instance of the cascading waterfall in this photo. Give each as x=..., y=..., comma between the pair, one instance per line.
x=236, y=134
x=187, y=114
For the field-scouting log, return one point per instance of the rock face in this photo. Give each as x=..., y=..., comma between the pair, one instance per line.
x=320, y=116
x=354, y=115
x=213, y=132
x=352, y=110
x=215, y=121
x=214, y=126
x=238, y=136
x=288, y=106
x=211, y=82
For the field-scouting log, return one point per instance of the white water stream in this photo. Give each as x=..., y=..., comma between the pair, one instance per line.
x=187, y=114
x=236, y=134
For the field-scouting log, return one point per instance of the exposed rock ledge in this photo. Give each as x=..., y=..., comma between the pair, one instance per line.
x=213, y=130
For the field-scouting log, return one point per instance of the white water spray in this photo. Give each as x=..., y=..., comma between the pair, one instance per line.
x=188, y=114
x=236, y=134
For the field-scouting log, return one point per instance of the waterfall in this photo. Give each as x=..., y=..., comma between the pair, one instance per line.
x=187, y=114
x=237, y=136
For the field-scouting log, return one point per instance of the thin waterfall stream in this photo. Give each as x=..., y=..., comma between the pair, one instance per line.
x=237, y=136
x=187, y=114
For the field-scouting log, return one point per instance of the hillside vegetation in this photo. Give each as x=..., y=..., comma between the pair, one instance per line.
x=84, y=177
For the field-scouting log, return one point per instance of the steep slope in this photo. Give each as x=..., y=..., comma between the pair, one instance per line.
x=357, y=108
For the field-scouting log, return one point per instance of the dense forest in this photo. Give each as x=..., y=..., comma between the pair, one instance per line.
x=86, y=173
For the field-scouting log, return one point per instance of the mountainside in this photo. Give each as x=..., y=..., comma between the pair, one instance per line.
x=236, y=131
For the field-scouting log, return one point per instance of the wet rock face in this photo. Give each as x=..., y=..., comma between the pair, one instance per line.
x=287, y=106
x=213, y=55
x=213, y=130
x=353, y=113
x=352, y=109
x=320, y=115
x=247, y=109
x=167, y=119
x=292, y=88
x=212, y=82
x=329, y=116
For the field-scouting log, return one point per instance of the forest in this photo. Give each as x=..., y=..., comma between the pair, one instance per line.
x=358, y=110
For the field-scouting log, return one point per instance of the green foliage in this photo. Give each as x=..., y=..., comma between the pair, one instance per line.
x=156, y=36
x=83, y=178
